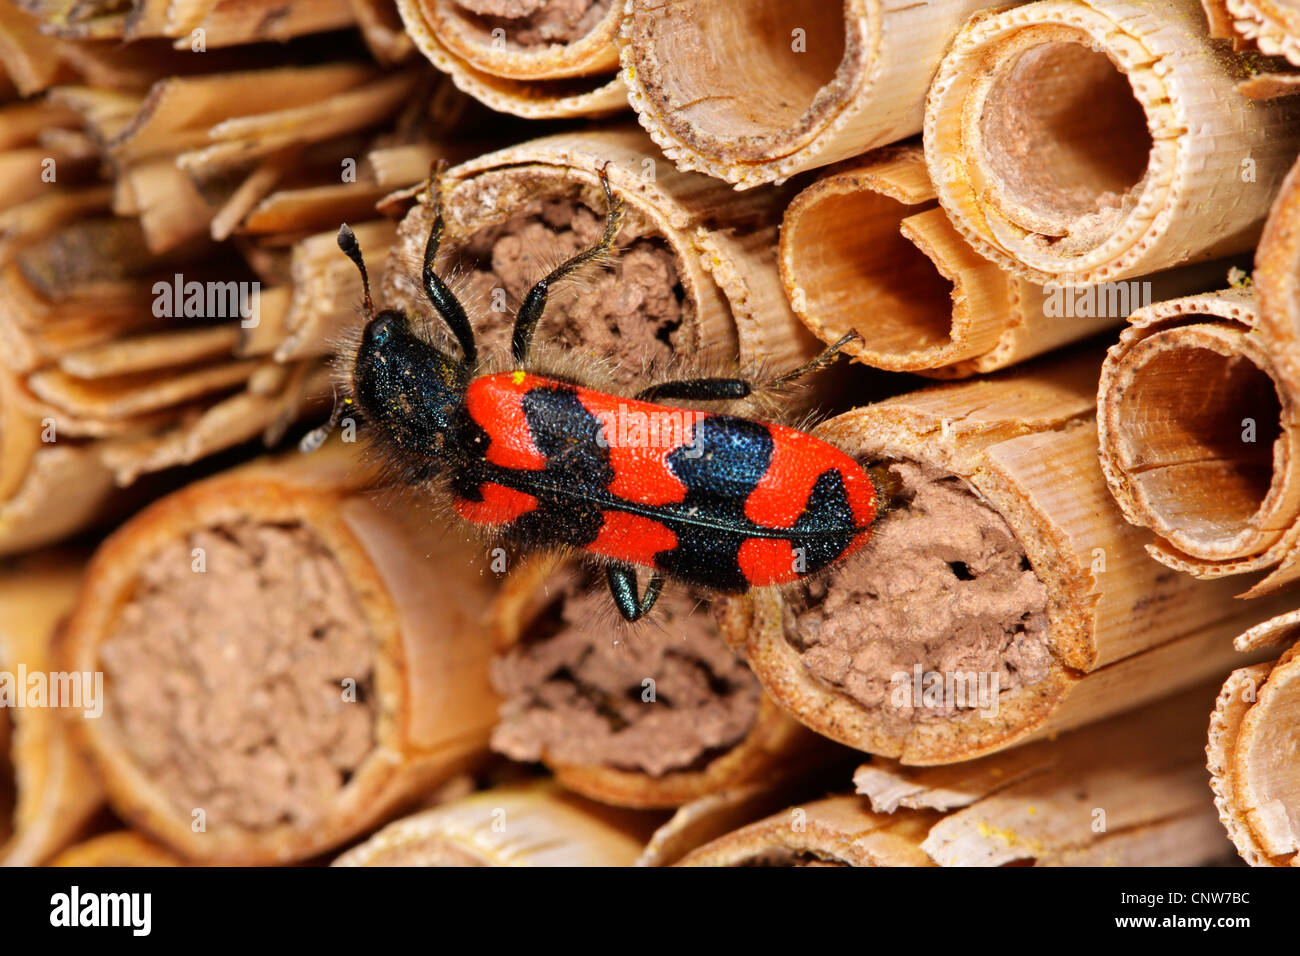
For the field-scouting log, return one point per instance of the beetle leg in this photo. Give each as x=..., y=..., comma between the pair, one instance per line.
x=452, y=312
x=698, y=389
x=622, y=585
x=530, y=312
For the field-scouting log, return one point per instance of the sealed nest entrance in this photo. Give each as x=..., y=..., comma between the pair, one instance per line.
x=1064, y=139
x=777, y=82
x=578, y=686
x=529, y=23
x=939, y=614
x=630, y=312
x=862, y=272
x=1207, y=452
x=244, y=689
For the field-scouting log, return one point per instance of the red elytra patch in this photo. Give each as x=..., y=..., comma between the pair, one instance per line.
x=500, y=505
x=496, y=403
x=766, y=561
x=640, y=436
x=798, y=460
x=632, y=538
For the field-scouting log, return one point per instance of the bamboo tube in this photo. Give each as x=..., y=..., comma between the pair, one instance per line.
x=1277, y=266
x=553, y=83
x=532, y=824
x=56, y=791
x=1084, y=141
x=1252, y=749
x=528, y=40
x=1126, y=792
x=586, y=702
x=357, y=680
x=121, y=848
x=1216, y=479
x=699, y=258
x=755, y=91
x=868, y=239
x=715, y=814
x=1029, y=576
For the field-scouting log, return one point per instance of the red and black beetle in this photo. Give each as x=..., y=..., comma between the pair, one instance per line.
x=723, y=503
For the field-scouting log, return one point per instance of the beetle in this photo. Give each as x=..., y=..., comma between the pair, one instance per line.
x=724, y=503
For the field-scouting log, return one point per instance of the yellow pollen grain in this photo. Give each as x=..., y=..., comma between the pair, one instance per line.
x=517, y=377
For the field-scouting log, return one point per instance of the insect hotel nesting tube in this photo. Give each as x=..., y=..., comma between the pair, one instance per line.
x=48, y=792
x=1088, y=140
x=1252, y=749
x=754, y=91
x=869, y=238
x=531, y=824
x=576, y=696
x=285, y=599
x=1127, y=792
x=695, y=273
x=1199, y=437
x=1030, y=580
x=534, y=58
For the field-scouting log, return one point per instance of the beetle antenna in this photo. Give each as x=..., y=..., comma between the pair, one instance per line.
x=352, y=249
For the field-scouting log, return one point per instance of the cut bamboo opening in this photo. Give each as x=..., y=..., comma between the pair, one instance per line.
x=48, y=791
x=1199, y=438
x=653, y=719
x=695, y=274
x=533, y=824
x=755, y=91
x=1252, y=748
x=357, y=650
x=1082, y=141
x=1005, y=532
x=523, y=65
x=867, y=247
x=1127, y=792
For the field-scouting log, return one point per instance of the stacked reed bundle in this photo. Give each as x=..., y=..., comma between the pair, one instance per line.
x=1252, y=749
x=134, y=343
x=695, y=274
x=322, y=650
x=654, y=718
x=48, y=793
x=192, y=26
x=755, y=91
x=1127, y=792
x=1084, y=141
x=869, y=239
x=539, y=59
x=1042, y=611
x=1269, y=26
